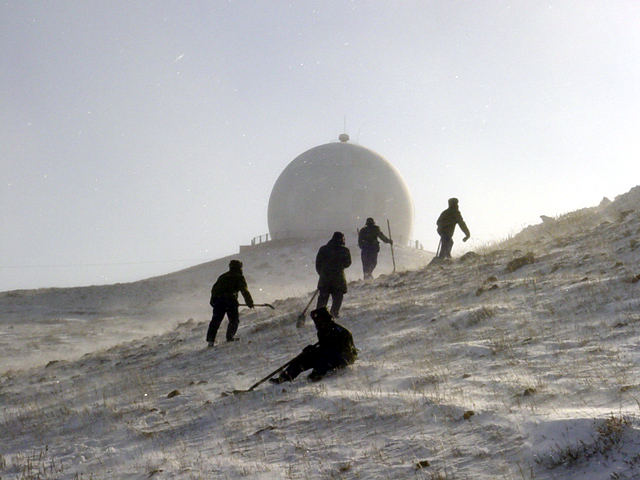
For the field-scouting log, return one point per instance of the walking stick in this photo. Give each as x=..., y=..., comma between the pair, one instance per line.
x=261, y=381
x=391, y=245
x=439, y=246
x=301, y=317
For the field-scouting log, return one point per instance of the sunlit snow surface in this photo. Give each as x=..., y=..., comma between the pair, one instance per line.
x=466, y=370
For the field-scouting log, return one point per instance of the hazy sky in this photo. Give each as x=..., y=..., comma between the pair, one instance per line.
x=138, y=138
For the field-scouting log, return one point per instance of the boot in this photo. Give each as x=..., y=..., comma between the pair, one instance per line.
x=277, y=380
x=316, y=376
x=283, y=377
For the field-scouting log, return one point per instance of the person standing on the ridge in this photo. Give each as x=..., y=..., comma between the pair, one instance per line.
x=446, y=223
x=334, y=350
x=370, y=246
x=224, y=300
x=331, y=261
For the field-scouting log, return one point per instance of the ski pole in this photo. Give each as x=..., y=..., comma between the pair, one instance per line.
x=391, y=245
x=261, y=381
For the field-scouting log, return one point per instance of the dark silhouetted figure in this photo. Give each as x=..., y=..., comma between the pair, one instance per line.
x=331, y=261
x=224, y=300
x=446, y=223
x=370, y=246
x=334, y=350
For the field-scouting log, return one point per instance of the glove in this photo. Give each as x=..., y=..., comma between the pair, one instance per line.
x=465, y=238
x=251, y=305
x=390, y=242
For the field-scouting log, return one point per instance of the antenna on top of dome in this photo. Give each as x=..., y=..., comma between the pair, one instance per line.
x=344, y=137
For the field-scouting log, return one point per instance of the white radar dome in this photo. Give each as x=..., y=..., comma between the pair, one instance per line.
x=336, y=187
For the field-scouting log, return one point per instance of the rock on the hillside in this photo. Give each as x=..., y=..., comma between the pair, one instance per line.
x=469, y=256
x=520, y=262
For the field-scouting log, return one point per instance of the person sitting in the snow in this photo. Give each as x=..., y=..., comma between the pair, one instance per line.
x=334, y=350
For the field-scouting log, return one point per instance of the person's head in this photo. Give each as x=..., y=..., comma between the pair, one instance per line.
x=321, y=317
x=453, y=202
x=338, y=237
x=235, y=265
x=369, y=222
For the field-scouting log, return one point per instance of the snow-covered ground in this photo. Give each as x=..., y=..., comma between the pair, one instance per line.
x=478, y=368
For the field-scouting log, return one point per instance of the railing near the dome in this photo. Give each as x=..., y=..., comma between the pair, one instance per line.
x=260, y=239
x=317, y=234
x=289, y=235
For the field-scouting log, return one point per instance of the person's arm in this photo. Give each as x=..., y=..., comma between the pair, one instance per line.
x=244, y=290
x=347, y=258
x=214, y=292
x=319, y=262
x=463, y=227
x=382, y=237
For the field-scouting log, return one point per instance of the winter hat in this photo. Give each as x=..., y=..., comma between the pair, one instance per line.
x=321, y=315
x=453, y=202
x=338, y=236
x=235, y=265
x=370, y=221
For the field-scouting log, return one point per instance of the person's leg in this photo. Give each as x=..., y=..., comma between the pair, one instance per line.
x=323, y=298
x=304, y=361
x=446, y=246
x=319, y=372
x=216, y=319
x=336, y=303
x=328, y=361
x=373, y=262
x=363, y=257
x=234, y=320
x=369, y=261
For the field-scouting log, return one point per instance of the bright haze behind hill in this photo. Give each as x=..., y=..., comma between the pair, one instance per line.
x=140, y=138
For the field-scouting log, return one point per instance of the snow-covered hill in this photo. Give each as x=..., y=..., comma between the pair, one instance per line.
x=519, y=361
x=65, y=323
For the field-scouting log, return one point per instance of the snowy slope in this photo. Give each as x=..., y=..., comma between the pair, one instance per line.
x=471, y=369
x=65, y=323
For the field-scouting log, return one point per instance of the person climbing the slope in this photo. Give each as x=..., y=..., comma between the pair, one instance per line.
x=331, y=261
x=224, y=300
x=446, y=223
x=370, y=246
x=335, y=350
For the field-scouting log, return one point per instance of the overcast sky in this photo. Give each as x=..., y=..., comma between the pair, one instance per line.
x=138, y=138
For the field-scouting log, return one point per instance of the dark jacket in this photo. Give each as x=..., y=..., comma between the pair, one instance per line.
x=228, y=285
x=336, y=345
x=448, y=220
x=331, y=261
x=368, y=237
